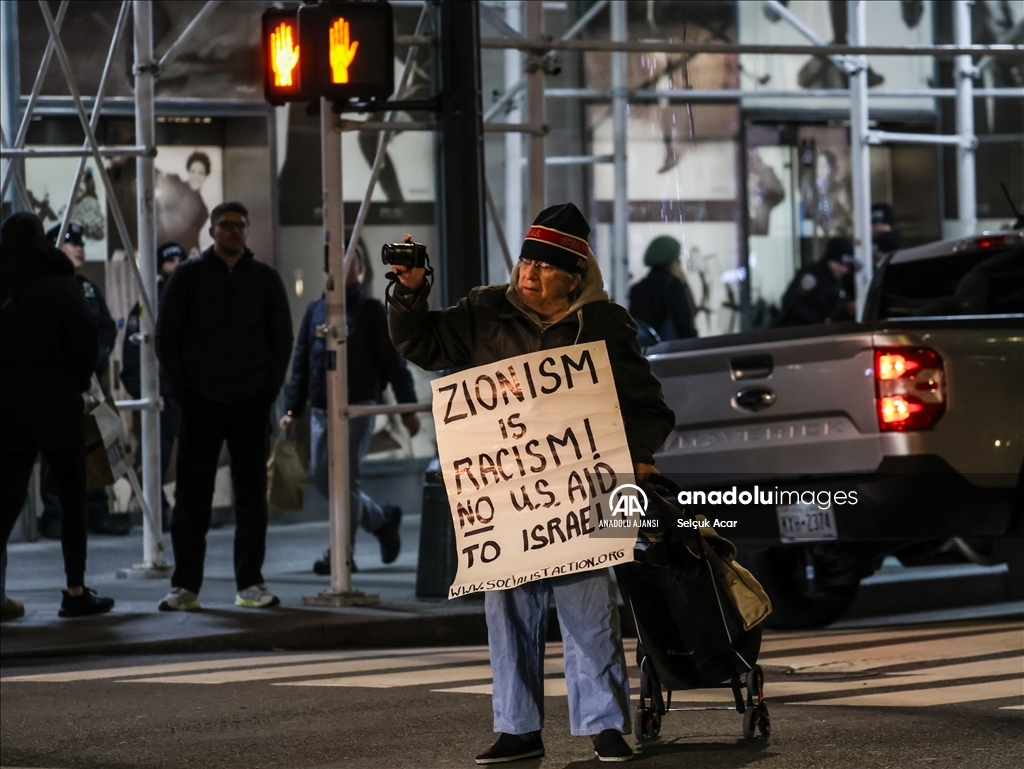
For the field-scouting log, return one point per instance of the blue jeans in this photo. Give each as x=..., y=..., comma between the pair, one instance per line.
x=363, y=510
x=595, y=666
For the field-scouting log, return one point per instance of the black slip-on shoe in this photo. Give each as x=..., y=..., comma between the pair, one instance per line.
x=610, y=746
x=513, y=747
x=84, y=605
x=390, y=541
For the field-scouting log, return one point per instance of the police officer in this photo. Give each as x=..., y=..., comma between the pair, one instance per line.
x=168, y=257
x=820, y=292
x=100, y=519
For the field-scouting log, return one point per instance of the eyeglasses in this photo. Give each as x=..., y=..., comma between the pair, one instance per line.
x=540, y=266
x=230, y=225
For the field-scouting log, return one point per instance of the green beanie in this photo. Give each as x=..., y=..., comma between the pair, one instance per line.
x=664, y=249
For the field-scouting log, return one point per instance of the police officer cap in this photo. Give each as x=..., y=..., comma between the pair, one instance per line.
x=72, y=236
x=168, y=251
x=838, y=250
x=882, y=212
x=664, y=249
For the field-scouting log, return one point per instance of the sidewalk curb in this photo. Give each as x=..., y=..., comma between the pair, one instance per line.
x=325, y=631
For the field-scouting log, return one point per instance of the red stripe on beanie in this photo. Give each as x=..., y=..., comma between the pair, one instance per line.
x=559, y=239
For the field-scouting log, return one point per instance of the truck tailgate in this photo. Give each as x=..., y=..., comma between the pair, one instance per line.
x=810, y=408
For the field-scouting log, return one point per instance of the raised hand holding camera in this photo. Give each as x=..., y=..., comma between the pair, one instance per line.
x=409, y=262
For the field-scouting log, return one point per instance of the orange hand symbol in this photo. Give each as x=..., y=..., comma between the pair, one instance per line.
x=342, y=51
x=286, y=55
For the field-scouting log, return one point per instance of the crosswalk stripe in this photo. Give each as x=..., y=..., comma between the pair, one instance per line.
x=991, y=690
x=317, y=669
x=243, y=662
x=860, y=660
x=1012, y=707
x=172, y=667
x=402, y=678
x=772, y=644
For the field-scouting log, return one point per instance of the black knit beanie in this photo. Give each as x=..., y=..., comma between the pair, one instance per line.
x=559, y=237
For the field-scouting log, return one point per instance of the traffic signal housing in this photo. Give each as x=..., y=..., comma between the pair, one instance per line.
x=353, y=50
x=281, y=57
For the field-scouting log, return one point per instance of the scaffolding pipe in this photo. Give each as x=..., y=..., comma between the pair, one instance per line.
x=620, y=128
x=534, y=13
x=735, y=94
x=579, y=160
x=10, y=77
x=145, y=134
x=513, y=85
x=843, y=62
x=37, y=87
x=860, y=158
x=966, y=193
x=514, y=82
x=390, y=123
x=176, y=46
x=94, y=120
x=118, y=151
x=728, y=49
x=498, y=229
x=355, y=410
x=879, y=137
x=115, y=210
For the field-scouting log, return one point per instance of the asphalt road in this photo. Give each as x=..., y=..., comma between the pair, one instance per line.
x=939, y=695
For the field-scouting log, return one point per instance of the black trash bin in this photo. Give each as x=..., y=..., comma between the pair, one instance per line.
x=437, y=564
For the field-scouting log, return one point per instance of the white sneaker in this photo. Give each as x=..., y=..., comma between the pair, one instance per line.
x=180, y=599
x=256, y=597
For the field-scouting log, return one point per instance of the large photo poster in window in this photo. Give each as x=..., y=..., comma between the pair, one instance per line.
x=189, y=183
x=48, y=182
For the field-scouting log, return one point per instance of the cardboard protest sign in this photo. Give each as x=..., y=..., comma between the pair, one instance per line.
x=531, y=449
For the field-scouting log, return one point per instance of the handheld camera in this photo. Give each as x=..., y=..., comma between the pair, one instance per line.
x=404, y=254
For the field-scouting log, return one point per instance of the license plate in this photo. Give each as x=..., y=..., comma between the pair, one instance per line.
x=800, y=523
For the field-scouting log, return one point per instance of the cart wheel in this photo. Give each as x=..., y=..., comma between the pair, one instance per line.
x=653, y=726
x=755, y=683
x=748, y=723
x=764, y=722
x=639, y=719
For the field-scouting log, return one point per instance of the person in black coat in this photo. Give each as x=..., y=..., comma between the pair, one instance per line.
x=97, y=504
x=224, y=337
x=662, y=300
x=168, y=257
x=820, y=292
x=47, y=354
x=373, y=363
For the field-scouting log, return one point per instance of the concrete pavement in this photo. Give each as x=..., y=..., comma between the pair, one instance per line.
x=35, y=576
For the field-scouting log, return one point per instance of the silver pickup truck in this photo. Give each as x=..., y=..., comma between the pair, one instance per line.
x=899, y=435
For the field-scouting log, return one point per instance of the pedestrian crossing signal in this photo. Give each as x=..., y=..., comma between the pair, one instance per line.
x=351, y=50
x=280, y=44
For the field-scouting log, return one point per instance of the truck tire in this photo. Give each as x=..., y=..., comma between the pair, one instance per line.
x=780, y=570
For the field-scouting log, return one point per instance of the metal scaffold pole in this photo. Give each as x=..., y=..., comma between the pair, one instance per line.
x=966, y=195
x=620, y=209
x=534, y=13
x=145, y=136
x=860, y=158
x=335, y=333
x=514, y=142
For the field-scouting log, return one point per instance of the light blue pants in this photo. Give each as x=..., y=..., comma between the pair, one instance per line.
x=595, y=666
x=363, y=510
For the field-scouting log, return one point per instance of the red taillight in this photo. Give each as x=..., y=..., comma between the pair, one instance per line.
x=910, y=388
x=991, y=241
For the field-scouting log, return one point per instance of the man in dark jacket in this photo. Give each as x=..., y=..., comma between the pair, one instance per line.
x=96, y=502
x=168, y=257
x=662, y=300
x=373, y=363
x=47, y=354
x=555, y=299
x=224, y=336
x=819, y=292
